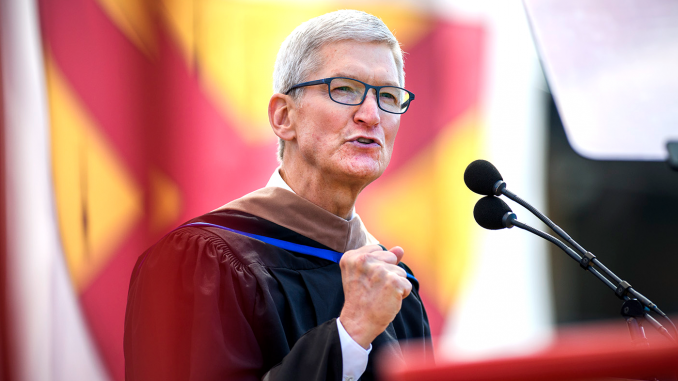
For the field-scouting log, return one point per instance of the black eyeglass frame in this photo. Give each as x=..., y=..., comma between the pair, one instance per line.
x=327, y=81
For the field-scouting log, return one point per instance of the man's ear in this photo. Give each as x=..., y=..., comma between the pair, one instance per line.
x=280, y=113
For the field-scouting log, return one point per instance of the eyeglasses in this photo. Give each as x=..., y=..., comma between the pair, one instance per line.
x=351, y=92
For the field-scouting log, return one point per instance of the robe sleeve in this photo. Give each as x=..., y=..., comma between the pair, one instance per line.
x=315, y=356
x=188, y=317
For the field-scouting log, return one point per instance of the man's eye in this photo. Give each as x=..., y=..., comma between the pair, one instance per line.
x=388, y=97
x=346, y=89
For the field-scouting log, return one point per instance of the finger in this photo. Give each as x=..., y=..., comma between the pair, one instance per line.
x=370, y=249
x=401, y=285
x=397, y=270
x=399, y=253
x=359, y=252
x=385, y=256
x=407, y=290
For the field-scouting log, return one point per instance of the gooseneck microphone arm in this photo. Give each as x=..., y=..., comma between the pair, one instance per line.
x=501, y=189
x=511, y=220
x=621, y=289
x=491, y=213
x=563, y=247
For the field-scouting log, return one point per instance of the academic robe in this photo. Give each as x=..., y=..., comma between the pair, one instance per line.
x=205, y=303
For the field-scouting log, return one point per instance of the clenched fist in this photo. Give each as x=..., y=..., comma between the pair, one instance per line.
x=374, y=288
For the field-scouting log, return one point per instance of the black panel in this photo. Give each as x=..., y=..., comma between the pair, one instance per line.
x=624, y=212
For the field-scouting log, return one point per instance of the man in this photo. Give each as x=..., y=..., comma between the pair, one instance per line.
x=253, y=290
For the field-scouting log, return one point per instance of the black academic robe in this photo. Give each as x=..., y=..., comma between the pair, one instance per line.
x=209, y=304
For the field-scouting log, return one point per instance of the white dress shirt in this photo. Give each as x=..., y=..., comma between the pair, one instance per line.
x=354, y=356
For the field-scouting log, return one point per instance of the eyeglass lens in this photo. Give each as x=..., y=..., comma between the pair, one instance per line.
x=350, y=92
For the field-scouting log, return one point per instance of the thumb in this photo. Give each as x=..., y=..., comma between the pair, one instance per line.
x=398, y=251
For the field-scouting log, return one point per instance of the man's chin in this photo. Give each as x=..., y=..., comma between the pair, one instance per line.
x=362, y=171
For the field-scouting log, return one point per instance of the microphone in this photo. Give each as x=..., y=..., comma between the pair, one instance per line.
x=483, y=178
x=492, y=213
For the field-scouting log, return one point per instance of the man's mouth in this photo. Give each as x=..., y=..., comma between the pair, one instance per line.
x=365, y=140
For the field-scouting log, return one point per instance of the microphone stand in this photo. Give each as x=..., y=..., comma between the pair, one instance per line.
x=632, y=308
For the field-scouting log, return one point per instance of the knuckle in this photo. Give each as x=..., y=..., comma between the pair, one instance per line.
x=361, y=260
x=365, y=257
x=394, y=279
x=344, y=261
x=375, y=271
x=352, y=258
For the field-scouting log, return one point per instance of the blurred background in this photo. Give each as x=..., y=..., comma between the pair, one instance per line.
x=121, y=119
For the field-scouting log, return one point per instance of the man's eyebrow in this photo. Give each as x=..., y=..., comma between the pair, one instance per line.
x=346, y=75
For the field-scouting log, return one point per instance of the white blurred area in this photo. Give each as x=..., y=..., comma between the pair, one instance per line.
x=51, y=341
x=506, y=307
x=612, y=66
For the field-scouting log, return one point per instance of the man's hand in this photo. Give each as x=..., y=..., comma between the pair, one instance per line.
x=374, y=288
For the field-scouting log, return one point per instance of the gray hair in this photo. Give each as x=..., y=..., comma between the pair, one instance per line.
x=299, y=57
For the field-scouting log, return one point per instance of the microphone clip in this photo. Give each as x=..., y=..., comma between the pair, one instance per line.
x=498, y=188
x=507, y=219
x=622, y=289
x=585, y=261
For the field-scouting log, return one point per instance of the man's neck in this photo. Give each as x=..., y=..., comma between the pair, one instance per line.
x=337, y=198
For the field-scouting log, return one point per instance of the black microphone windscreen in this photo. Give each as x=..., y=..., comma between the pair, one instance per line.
x=480, y=177
x=489, y=212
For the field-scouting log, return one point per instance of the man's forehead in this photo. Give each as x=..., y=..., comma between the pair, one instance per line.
x=361, y=77
x=342, y=59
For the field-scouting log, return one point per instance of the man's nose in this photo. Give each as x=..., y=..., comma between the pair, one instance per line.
x=368, y=113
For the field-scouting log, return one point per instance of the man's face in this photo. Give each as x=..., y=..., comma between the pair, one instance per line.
x=351, y=144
